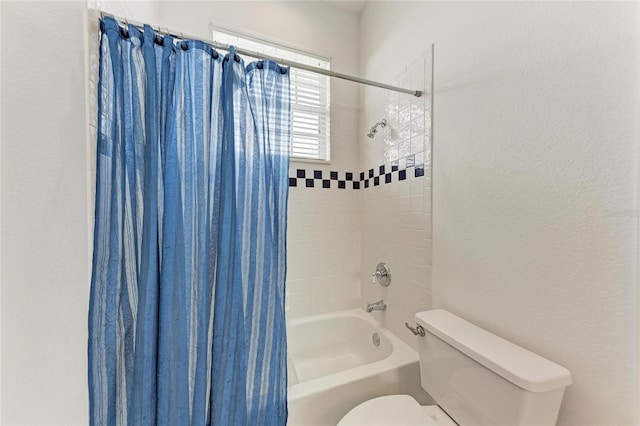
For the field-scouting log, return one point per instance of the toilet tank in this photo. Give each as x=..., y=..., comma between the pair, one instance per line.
x=481, y=379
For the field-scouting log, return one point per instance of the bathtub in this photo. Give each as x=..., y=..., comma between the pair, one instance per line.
x=334, y=365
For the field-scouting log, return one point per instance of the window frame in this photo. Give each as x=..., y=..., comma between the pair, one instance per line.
x=322, y=111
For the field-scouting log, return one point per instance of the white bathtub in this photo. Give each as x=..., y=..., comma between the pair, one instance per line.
x=334, y=366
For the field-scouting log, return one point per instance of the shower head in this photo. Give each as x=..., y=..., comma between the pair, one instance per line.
x=374, y=129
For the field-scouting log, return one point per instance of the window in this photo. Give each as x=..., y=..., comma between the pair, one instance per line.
x=309, y=95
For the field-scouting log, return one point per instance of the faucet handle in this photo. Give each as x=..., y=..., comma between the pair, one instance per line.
x=382, y=275
x=418, y=330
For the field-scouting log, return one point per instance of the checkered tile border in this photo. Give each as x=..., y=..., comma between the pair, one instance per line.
x=348, y=180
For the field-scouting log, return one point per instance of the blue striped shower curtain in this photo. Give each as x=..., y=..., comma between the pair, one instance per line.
x=186, y=317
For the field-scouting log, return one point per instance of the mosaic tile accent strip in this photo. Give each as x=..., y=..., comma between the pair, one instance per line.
x=405, y=168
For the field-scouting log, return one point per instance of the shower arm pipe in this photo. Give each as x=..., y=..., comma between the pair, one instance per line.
x=293, y=64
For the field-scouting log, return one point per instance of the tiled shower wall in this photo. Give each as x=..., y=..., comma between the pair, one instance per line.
x=371, y=204
x=323, y=243
x=396, y=217
x=325, y=235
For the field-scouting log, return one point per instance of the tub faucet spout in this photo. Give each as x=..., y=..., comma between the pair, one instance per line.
x=376, y=306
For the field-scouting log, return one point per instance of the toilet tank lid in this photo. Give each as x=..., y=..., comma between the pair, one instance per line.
x=516, y=364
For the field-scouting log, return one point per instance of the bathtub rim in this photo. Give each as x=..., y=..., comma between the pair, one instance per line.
x=401, y=356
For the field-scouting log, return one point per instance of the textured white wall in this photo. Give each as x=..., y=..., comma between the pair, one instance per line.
x=535, y=178
x=45, y=254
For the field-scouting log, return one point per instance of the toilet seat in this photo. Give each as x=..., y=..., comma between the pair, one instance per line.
x=390, y=410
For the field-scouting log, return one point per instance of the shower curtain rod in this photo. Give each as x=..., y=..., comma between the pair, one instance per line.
x=317, y=70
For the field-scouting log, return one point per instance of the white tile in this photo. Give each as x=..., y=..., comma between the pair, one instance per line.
x=404, y=123
x=428, y=254
x=417, y=108
x=417, y=186
x=404, y=148
x=417, y=203
x=426, y=201
x=391, y=154
x=417, y=145
x=404, y=187
x=403, y=204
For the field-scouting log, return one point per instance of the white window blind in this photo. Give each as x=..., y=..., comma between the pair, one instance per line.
x=310, y=92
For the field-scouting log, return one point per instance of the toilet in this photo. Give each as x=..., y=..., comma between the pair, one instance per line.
x=476, y=379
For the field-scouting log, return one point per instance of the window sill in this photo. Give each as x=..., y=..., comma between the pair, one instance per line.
x=309, y=160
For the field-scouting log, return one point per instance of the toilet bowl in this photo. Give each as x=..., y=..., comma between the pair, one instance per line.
x=475, y=377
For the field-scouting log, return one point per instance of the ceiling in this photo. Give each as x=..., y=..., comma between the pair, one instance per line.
x=353, y=6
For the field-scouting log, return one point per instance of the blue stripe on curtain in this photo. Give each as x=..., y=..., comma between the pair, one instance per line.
x=186, y=317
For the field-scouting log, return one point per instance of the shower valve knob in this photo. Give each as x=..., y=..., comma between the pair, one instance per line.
x=382, y=275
